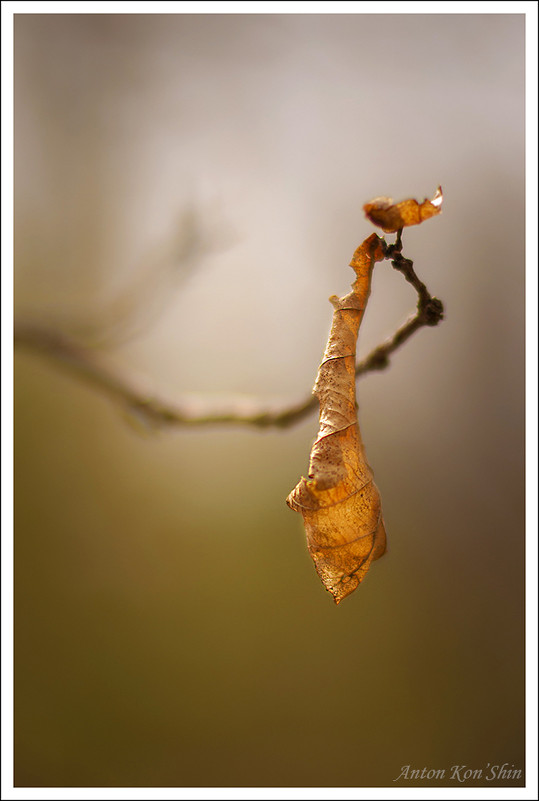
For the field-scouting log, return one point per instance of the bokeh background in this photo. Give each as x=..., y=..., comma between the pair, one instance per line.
x=189, y=192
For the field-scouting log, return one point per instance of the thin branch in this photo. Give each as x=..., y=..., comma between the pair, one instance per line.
x=82, y=362
x=430, y=311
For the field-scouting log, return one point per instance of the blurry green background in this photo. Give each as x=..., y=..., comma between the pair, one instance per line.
x=210, y=171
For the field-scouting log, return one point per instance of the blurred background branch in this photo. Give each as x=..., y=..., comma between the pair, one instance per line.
x=81, y=361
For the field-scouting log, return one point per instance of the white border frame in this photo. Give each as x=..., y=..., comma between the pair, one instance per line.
x=529, y=9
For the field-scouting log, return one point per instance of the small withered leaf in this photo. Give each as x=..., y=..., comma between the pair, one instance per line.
x=392, y=217
x=339, y=501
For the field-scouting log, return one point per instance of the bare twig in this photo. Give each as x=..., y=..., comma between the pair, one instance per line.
x=82, y=362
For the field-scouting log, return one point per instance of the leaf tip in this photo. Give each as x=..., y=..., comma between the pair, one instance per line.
x=438, y=198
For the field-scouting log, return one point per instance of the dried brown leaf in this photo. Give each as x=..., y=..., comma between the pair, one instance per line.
x=393, y=216
x=339, y=501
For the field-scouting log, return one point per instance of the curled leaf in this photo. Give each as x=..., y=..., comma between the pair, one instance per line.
x=393, y=216
x=339, y=501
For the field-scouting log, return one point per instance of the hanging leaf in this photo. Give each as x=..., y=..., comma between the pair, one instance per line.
x=391, y=217
x=339, y=501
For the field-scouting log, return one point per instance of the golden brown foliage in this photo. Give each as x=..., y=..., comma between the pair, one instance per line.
x=339, y=501
x=393, y=216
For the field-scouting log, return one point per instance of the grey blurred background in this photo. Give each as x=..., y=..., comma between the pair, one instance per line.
x=189, y=192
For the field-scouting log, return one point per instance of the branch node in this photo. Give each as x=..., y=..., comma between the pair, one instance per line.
x=378, y=360
x=431, y=311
